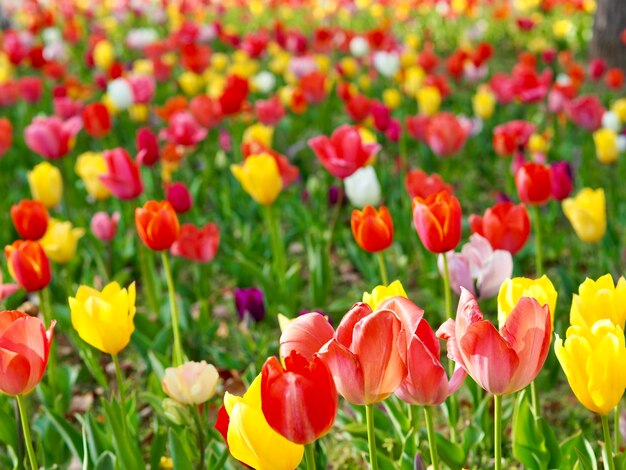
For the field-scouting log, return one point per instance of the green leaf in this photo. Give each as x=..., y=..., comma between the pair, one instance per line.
x=70, y=435
x=576, y=450
x=179, y=454
x=105, y=462
x=449, y=452
x=126, y=446
x=529, y=444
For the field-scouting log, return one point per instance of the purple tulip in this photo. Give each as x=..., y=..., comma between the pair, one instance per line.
x=249, y=303
x=334, y=194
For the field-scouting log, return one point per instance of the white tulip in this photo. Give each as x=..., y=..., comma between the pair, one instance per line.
x=386, y=63
x=120, y=93
x=610, y=120
x=264, y=81
x=363, y=188
x=359, y=47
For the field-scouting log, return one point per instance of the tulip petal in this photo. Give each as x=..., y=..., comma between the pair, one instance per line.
x=347, y=371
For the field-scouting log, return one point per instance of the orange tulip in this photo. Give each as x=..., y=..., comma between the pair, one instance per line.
x=372, y=229
x=437, y=220
x=28, y=264
x=157, y=225
x=30, y=219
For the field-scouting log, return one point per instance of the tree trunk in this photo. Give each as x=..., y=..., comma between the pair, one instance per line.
x=610, y=21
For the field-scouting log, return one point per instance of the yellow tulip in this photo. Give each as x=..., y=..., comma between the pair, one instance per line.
x=428, y=100
x=259, y=177
x=607, y=150
x=382, y=293
x=139, y=112
x=143, y=67
x=60, y=240
x=219, y=62
x=593, y=360
x=392, y=98
x=413, y=79
x=349, y=66
x=104, y=319
x=90, y=166
x=46, y=184
x=619, y=108
x=542, y=290
x=599, y=300
x=562, y=28
x=260, y=133
x=587, y=214
x=103, y=55
x=537, y=143
x=191, y=83
x=484, y=103
x=365, y=82
x=250, y=438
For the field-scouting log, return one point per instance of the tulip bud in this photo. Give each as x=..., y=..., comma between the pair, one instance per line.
x=157, y=225
x=192, y=383
x=30, y=219
x=46, y=184
x=120, y=93
x=587, y=214
x=249, y=303
x=147, y=146
x=104, y=226
x=606, y=145
x=179, y=196
x=372, y=229
x=90, y=166
x=28, y=264
x=362, y=187
x=561, y=180
x=103, y=55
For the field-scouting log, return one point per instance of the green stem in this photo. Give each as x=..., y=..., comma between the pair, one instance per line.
x=278, y=250
x=119, y=378
x=309, y=452
x=383, y=268
x=432, y=443
x=538, y=246
x=26, y=430
x=371, y=438
x=177, y=353
x=497, y=431
x=534, y=398
x=146, y=276
x=616, y=433
x=200, y=435
x=335, y=217
x=446, y=287
x=609, y=464
x=415, y=422
x=46, y=311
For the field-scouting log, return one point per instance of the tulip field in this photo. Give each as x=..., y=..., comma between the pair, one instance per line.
x=312, y=234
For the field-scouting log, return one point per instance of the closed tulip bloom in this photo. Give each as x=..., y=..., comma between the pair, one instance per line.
x=599, y=300
x=147, y=145
x=192, y=383
x=366, y=355
x=587, y=214
x=418, y=183
x=24, y=352
x=344, y=152
x=372, y=229
x=512, y=136
x=446, y=134
x=60, y=240
x=157, y=225
x=362, y=187
x=299, y=401
x=562, y=180
x=251, y=439
x=183, y=130
x=428, y=100
x=96, y=120
x=512, y=290
x=586, y=111
x=382, y=293
x=593, y=360
x=51, y=137
x=260, y=178
x=534, y=183
x=6, y=135
x=104, y=320
x=437, y=220
x=250, y=303
x=90, y=167
x=46, y=184
x=197, y=244
x=607, y=149
x=123, y=178
x=505, y=225
x=504, y=361
x=28, y=264
x=306, y=335
x=104, y=226
x=103, y=54
x=484, y=103
x=30, y=219
x=179, y=197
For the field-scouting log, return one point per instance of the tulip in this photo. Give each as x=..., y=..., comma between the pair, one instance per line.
x=382, y=293
x=428, y=100
x=512, y=136
x=446, y=134
x=250, y=438
x=142, y=87
x=104, y=320
x=592, y=359
x=419, y=184
x=28, y=264
x=104, y=226
x=60, y=240
x=259, y=177
x=478, y=268
x=483, y=103
x=586, y=111
x=50, y=137
x=249, y=303
x=103, y=54
x=25, y=350
x=6, y=290
x=306, y=335
x=234, y=94
x=183, y=130
x=365, y=356
x=587, y=214
x=504, y=361
x=505, y=225
x=437, y=220
x=6, y=136
x=123, y=178
x=260, y=133
x=90, y=167
x=607, y=149
x=362, y=187
x=192, y=383
x=512, y=290
x=344, y=152
x=372, y=229
x=157, y=225
x=534, y=183
x=46, y=184
x=299, y=401
x=269, y=112
x=147, y=145
x=386, y=63
x=120, y=94
x=96, y=119
x=197, y=244
x=30, y=219
x=179, y=197
x=561, y=180
x=599, y=300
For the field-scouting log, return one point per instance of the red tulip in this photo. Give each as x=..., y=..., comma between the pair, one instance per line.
x=512, y=136
x=503, y=87
x=270, y=111
x=147, y=145
x=179, y=197
x=367, y=355
x=534, y=183
x=123, y=178
x=586, y=111
x=30, y=219
x=6, y=135
x=344, y=152
x=614, y=78
x=505, y=225
x=358, y=107
x=528, y=85
x=206, y=111
x=299, y=401
x=96, y=119
x=197, y=244
x=502, y=361
x=419, y=184
x=561, y=180
x=416, y=126
x=446, y=134
x=32, y=88
x=234, y=94
x=597, y=67
x=24, y=351
x=372, y=229
x=437, y=220
x=313, y=87
x=28, y=264
x=157, y=225
x=306, y=335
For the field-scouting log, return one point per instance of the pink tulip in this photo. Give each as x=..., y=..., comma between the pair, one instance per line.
x=51, y=137
x=179, y=196
x=104, y=226
x=123, y=178
x=197, y=244
x=66, y=107
x=446, y=134
x=502, y=361
x=269, y=111
x=32, y=88
x=367, y=355
x=586, y=112
x=7, y=289
x=306, y=335
x=183, y=130
x=142, y=87
x=147, y=146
